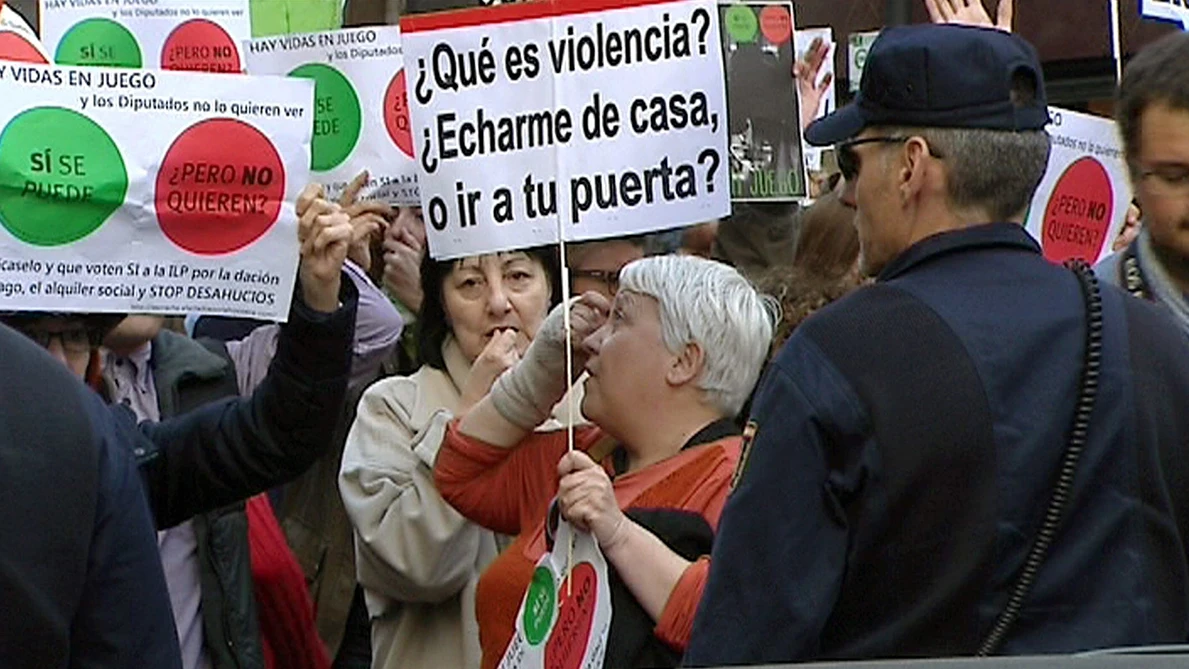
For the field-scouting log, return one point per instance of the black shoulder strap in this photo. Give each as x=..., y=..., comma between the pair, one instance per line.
x=1083, y=410
x=1131, y=276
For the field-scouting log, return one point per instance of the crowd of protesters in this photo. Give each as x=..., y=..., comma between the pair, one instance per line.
x=879, y=426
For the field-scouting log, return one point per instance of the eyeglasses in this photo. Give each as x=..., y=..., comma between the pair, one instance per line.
x=73, y=340
x=1171, y=180
x=609, y=278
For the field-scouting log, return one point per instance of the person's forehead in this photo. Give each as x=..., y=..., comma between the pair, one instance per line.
x=492, y=260
x=1165, y=134
x=636, y=303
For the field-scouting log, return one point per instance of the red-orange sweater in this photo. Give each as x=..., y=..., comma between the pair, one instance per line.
x=509, y=490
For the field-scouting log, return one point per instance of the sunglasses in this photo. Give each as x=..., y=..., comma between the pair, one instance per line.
x=848, y=159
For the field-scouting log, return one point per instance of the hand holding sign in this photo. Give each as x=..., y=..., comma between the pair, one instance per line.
x=586, y=499
x=970, y=13
x=325, y=233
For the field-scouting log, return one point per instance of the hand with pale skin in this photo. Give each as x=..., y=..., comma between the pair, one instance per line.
x=403, y=252
x=1132, y=225
x=499, y=354
x=970, y=13
x=806, y=71
x=369, y=218
x=325, y=233
x=588, y=313
x=587, y=501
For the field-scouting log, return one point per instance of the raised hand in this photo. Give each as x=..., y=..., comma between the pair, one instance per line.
x=970, y=13
x=325, y=233
x=369, y=218
x=403, y=252
x=806, y=71
x=499, y=354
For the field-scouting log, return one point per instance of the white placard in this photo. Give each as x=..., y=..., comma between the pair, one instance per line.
x=361, y=113
x=803, y=38
x=1176, y=11
x=202, y=35
x=601, y=117
x=858, y=46
x=150, y=191
x=1082, y=201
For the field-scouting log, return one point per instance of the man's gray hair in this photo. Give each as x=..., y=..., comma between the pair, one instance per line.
x=710, y=304
x=992, y=170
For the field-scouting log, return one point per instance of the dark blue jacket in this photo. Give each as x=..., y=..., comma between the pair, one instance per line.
x=81, y=583
x=80, y=578
x=906, y=443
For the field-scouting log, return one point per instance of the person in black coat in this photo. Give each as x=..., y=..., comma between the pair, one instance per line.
x=102, y=603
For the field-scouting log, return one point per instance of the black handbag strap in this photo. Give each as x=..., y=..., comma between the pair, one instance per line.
x=1078, y=433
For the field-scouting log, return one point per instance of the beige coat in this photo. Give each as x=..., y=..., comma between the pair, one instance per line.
x=417, y=559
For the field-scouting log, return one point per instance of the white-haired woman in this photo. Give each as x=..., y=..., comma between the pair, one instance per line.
x=670, y=363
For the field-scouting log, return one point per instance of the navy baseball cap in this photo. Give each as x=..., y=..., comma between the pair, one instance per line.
x=941, y=76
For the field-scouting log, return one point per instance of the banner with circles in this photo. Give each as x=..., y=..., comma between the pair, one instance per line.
x=150, y=192
x=199, y=35
x=361, y=110
x=1082, y=201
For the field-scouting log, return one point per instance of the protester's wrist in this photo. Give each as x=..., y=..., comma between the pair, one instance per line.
x=322, y=296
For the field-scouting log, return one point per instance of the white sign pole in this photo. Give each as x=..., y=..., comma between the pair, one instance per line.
x=1116, y=41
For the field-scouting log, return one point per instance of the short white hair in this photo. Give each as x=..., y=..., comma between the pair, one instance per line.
x=708, y=303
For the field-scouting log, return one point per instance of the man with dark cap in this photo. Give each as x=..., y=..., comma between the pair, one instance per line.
x=982, y=452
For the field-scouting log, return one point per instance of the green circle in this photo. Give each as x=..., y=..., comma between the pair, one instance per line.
x=61, y=176
x=742, y=24
x=539, y=606
x=98, y=42
x=338, y=118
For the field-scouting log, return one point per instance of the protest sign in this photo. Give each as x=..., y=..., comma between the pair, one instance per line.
x=766, y=159
x=144, y=191
x=1176, y=11
x=285, y=17
x=361, y=113
x=804, y=38
x=201, y=35
x=565, y=617
x=601, y=117
x=1082, y=200
x=17, y=41
x=859, y=44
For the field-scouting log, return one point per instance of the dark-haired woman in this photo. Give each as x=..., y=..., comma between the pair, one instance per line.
x=418, y=559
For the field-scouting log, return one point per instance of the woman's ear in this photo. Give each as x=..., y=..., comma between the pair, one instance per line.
x=686, y=366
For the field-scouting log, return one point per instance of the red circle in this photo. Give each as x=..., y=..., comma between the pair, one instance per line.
x=220, y=187
x=16, y=48
x=776, y=24
x=202, y=46
x=396, y=114
x=1079, y=213
x=575, y=617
